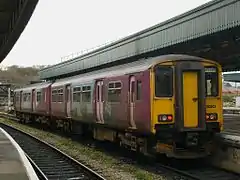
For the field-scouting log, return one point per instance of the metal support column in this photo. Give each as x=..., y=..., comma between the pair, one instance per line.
x=9, y=98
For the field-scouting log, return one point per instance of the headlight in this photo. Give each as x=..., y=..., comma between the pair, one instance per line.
x=211, y=116
x=165, y=118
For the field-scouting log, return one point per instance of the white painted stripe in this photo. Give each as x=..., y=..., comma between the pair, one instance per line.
x=29, y=169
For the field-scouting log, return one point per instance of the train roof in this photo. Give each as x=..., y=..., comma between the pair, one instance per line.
x=132, y=67
x=136, y=66
x=107, y=72
x=34, y=86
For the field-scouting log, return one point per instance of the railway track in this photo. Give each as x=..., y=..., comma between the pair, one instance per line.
x=188, y=169
x=54, y=170
x=210, y=173
x=201, y=173
x=39, y=173
x=49, y=162
x=232, y=124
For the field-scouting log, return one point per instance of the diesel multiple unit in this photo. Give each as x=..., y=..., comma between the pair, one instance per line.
x=169, y=104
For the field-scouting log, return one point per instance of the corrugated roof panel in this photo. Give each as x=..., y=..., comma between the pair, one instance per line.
x=233, y=77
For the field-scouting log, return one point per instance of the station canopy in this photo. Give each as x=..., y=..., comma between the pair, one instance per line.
x=14, y=16
x=211, y=30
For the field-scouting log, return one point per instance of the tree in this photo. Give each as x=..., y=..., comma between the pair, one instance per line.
x=19, y=75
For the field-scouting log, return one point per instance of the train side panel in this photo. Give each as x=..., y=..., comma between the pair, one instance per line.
x=58, y=104
x=42, y=101
x=17, y=101
x=115, y=102
x=26, y=101
x=213, y=78
x=142, y=107
x=83, y=102
x=126, y=101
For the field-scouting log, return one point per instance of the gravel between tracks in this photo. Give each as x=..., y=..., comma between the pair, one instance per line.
x=110, y=167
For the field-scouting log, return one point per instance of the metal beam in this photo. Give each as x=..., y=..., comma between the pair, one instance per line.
x=9, y=5
x=234, y=77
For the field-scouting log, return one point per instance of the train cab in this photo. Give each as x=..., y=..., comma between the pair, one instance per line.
x=186, y=104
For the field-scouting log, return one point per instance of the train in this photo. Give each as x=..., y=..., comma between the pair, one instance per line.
x=166, y=105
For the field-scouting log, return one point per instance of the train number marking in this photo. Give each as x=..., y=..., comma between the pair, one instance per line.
x=211, y=106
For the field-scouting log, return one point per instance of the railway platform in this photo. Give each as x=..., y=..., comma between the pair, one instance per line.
x=229, y=138
x=14, y=165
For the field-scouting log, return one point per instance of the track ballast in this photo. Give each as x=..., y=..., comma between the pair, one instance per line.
x=192, y=172
x=51, y=162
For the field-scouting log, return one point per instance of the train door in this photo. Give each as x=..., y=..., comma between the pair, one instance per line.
x=68, y=100
x=99, y=101
x=190, y=95
x=132, y=99
x=34, y=100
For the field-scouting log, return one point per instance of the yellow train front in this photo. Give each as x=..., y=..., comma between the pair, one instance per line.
x=186, y=106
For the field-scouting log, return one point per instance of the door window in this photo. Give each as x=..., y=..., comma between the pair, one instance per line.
x=163, y=81
x=211, y=81
x=132, y=90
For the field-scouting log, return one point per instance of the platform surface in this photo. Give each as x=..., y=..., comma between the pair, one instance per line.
x=14, y=165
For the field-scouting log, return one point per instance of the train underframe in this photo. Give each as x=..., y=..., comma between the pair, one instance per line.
x=167, y=141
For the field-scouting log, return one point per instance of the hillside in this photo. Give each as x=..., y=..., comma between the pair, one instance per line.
x=19, y=75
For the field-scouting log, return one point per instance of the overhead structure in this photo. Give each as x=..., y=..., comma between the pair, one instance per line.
x=6, y=95
x=211, y=31
x=14, y=16
x=233, y=77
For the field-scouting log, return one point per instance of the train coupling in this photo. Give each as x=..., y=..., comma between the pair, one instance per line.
x=192, y=139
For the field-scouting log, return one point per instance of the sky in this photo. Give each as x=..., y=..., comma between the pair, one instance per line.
x=58, y=28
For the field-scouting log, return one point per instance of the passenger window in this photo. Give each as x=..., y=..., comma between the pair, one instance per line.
x=163, y=81
x=76, y=97
x=211, y=81
x=60, y=95
x=86, y=94
x=39, y=96
x=55, y=96
x=114, y=91
x=26, y=97
x=77, y=94
x=139, y=90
